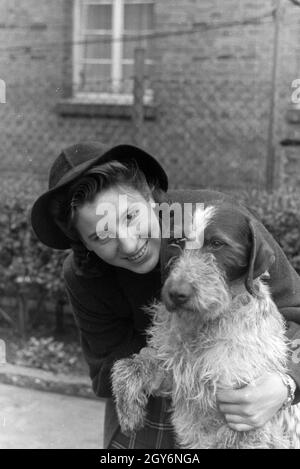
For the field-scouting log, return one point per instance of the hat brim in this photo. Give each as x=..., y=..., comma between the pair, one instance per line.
x=42, y=221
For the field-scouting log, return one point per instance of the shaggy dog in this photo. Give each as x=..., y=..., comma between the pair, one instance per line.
x=216, y=327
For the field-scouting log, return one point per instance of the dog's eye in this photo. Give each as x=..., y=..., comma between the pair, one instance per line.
x=215, y=244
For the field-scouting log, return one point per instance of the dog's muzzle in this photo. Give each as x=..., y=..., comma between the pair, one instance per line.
x=176, y=294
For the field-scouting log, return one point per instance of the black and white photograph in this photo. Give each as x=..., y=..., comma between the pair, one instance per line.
x=150, y=227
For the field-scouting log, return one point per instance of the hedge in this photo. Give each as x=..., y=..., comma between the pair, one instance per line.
x=28, y=268
x=280, y=213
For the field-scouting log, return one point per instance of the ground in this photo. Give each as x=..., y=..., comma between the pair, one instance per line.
x=32, y=419
x=45, y=409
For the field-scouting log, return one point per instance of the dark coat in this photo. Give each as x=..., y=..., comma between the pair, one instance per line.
x=108, y=309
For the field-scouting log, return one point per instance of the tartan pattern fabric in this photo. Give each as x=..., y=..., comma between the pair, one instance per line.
x=157, y=432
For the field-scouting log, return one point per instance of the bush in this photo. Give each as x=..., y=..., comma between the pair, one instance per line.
x=27, y=267
x=280, y=213
x=50, y=355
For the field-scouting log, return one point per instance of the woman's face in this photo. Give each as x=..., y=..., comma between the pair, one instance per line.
x=122, y=228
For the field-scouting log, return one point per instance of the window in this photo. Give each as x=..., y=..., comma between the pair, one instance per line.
x=106, y=33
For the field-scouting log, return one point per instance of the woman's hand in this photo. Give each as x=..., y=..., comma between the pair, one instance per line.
x=252, y=406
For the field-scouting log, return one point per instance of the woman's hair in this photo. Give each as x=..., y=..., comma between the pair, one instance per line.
x=65, y=204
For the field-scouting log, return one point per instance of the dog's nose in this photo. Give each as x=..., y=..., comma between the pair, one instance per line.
x=179, y=294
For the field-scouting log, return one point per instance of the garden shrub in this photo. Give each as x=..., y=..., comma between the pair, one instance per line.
x=27, y=267
x=280, y=213
x=49, y=354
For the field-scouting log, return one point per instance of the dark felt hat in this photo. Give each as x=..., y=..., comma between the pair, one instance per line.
x=72, y=163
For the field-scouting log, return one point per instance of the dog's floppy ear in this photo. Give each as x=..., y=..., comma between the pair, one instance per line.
x=261, y=256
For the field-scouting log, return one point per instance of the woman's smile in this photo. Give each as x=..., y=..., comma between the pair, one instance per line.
x=138, y=257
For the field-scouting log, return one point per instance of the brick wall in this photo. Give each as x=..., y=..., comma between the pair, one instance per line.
x=212, y=90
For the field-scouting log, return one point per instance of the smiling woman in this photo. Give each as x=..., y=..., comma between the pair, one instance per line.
x=100, y=203
x=108, y=213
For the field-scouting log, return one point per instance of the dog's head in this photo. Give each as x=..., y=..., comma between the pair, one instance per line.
x=226, y=245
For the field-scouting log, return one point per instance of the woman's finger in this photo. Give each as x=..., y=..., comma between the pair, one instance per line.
x=251, y=422
x=233, y=409
x=236, y=396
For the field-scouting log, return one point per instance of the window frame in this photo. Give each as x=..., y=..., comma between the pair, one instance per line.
x=116, y=60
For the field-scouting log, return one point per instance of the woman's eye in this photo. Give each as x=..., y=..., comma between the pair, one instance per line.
x=132, y=215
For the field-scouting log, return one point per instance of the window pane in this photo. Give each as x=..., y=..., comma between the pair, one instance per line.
x=138, y=17
x=97, y=47
x=96, y=77
x=99, y=17
x=130, y=45
x=127, y=82
x=128, y=49
x=128, y=71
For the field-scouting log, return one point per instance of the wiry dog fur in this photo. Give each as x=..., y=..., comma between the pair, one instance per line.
x=216, y=327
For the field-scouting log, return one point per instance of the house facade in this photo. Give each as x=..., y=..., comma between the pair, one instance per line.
x=205, y=85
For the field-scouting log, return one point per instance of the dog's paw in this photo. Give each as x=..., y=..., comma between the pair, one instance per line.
x=131, y=413
x=129, y=386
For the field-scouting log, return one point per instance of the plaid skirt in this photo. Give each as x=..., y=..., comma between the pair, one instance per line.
x=157, y=432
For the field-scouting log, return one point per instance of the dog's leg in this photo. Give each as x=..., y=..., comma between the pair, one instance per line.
x=132, y=382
